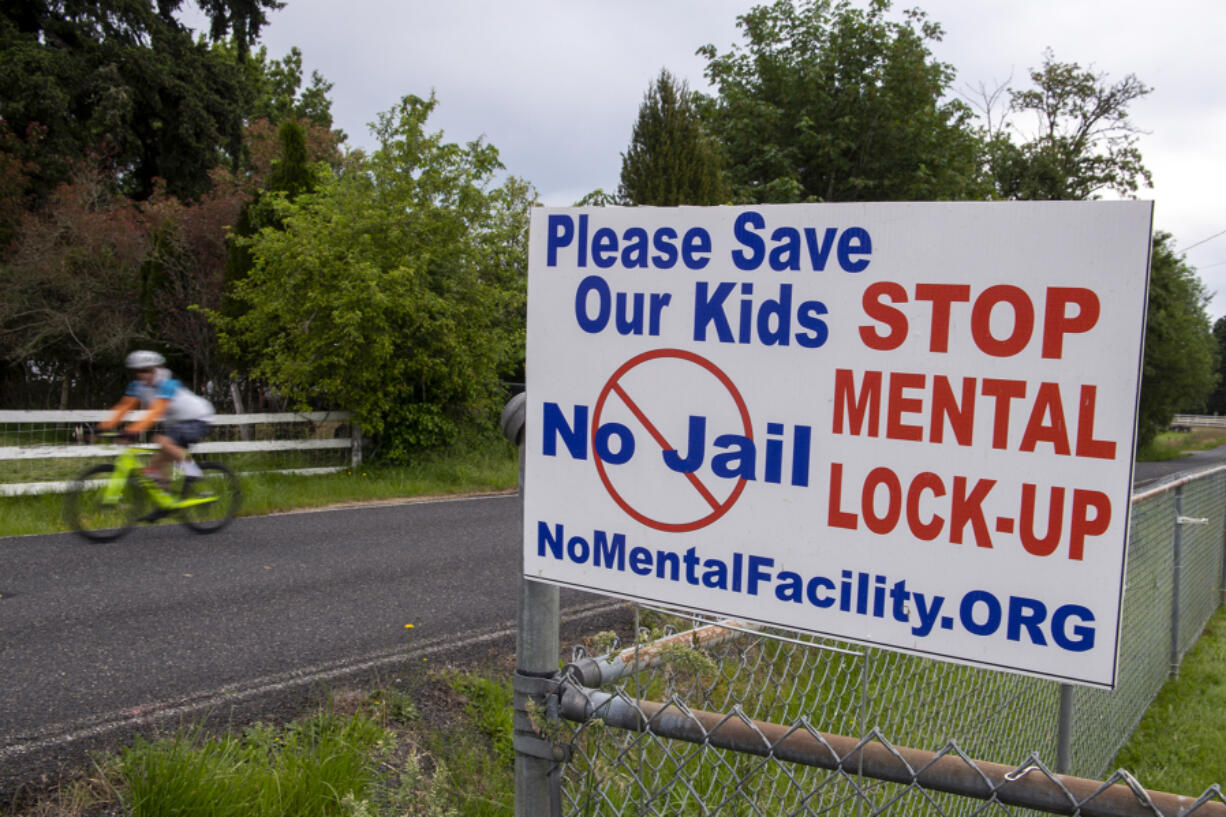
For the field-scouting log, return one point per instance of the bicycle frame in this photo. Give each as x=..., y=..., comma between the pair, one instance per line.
x=127, y=464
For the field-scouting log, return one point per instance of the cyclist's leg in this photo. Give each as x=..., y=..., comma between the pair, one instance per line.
x=178, y=438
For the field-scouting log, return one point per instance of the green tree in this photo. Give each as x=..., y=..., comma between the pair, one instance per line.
x=122, y=80
x=671, y=160
x=389, y=288
x=1181, y=353
x=1083, y=144
x=827, y=102
x=1217, y=400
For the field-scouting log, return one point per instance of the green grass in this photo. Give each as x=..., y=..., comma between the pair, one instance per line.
x=1171, y=445
x=466, y=468
x=307, y=768
x=359, y=754
x=1180, y=744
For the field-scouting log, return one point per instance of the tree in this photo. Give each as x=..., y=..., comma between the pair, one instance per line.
x=393, y=289
x=1181, y=362
x=72, y=283
x=1217, y=400
x=1083, y=142
x=671, y=160
x=122, y=80
x=826, y=102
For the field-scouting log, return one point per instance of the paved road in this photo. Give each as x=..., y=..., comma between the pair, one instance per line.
x=96, y=640
x=1149, y=474
x=165, y=623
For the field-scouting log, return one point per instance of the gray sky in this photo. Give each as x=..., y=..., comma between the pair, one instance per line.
x=555, y=85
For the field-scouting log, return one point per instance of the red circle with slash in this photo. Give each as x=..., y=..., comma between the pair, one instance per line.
x=613, y=386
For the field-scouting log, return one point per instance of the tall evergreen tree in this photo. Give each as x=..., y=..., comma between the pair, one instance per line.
x=671, y=160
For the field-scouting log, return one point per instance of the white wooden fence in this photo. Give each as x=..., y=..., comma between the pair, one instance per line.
x=61, y=424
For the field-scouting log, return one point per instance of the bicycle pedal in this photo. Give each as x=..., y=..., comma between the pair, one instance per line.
x=153, y=515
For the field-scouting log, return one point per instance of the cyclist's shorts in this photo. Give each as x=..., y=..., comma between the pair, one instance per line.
x=187, y=432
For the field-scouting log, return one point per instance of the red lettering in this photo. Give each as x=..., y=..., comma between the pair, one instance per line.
x=846, y=401
x=1004, y=391
x=1087, y=446
x=1056, y=324
x=881, y=524
x=1046, y=403
x=1082, y=525
x=837, y=517
x=961, y=417
x=895, y=429
x=941, y=296
x=969, y=508
x=1023, y=320
x=891, y=317
x=931, y=529
x=1055, y=521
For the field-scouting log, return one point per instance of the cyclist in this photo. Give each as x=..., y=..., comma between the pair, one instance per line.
x=187, y=416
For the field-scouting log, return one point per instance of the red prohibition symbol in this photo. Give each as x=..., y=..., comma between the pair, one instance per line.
x=613, y=386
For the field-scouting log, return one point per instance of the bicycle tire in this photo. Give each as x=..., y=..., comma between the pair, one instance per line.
x=219, y=481
x=90, y=516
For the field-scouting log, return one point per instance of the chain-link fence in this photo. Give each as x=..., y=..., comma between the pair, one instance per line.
x=727, y=719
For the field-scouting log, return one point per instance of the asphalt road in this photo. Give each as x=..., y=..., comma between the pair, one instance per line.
x=99, y=641
x=1150, y=474
x=163, y=625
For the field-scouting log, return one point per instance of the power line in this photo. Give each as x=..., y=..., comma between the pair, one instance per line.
x=1202, y=241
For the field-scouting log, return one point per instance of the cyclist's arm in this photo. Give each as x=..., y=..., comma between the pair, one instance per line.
x=121, y=408
x=152, y=416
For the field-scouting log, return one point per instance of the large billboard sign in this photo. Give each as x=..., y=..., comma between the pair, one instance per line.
x=908, y=425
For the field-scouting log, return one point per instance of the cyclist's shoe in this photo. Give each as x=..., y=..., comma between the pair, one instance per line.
x=154, y=515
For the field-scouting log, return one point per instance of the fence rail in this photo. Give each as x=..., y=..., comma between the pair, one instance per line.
x=731, y=719
x=34, y=443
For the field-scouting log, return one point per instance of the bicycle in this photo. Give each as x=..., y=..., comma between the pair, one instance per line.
x=106, y=501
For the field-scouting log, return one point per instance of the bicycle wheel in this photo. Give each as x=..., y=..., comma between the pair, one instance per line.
x=95, y=516
x=220, y=488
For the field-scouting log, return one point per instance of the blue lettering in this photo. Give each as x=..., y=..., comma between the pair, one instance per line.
x=625, y=443
x=710, y=309
x=574, y=434
x=1028, y=613
x=604, y=248
x=786, y=254
x=611, y=554
x=757, y=572
x=808, y=317
x=544, y=539
x=967, y=612
x=666, y=257
x=578, y=549
x=819, y=583
x=854, y=241
x=640, y=561
x=593, y=285
x=635, y=253
x=749, y=239
x=1084, y=639
x=560, y=233
x=818, y=253
x=696, y=240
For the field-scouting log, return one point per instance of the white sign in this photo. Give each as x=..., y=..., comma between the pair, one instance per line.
x=908, y=425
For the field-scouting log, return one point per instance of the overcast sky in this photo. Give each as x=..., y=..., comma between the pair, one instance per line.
x=555, y=85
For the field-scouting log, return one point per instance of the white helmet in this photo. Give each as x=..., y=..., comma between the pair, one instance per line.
x=143, y=359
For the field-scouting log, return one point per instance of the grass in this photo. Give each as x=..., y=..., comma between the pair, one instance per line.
x=1171, y=445
x=1180, y=744
x=403, y=750
x=471, y=467
x=439, y=746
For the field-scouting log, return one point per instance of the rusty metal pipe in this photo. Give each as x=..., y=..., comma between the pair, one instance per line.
x=1028, y=787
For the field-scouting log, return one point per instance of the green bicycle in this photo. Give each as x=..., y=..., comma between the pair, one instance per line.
x=105, y=501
